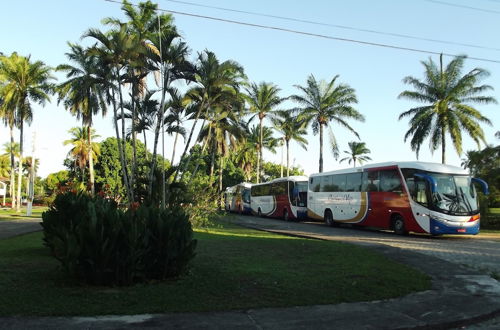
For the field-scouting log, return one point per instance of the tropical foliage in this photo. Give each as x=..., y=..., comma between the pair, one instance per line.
x=322, y=103
x=447, y=95
x=357, y=152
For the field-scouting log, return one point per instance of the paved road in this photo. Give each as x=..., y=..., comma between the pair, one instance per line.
x=19, y=227
x=481, y=252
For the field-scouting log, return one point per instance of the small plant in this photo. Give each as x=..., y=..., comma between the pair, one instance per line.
x=98, y=243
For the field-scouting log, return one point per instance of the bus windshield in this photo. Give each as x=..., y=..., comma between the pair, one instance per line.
x=454, y=194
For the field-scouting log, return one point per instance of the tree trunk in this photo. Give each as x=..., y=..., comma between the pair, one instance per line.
x=120, y=149
x=259, y=151
x=173, y=149
x=443, y=145
x=212, y=164
x=198, y=113
x=91, y=161
x=221, y=168
x=20, y=169
x=133, y=173
x=129, y=183
x=12, y=170
x=287, y=157
x=320, y=148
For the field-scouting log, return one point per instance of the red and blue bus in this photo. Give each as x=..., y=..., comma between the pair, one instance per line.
x=403, y=196
x=284, y=198
x=237, y=198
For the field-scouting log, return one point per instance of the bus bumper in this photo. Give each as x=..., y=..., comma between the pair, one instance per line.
x=439, y=228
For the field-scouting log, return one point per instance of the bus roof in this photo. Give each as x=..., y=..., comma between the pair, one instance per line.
x=424, y=166
x=295, y=178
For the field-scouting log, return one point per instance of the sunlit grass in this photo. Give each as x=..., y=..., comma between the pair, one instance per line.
x=9, y=214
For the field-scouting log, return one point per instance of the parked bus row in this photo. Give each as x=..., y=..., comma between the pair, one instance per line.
x=402, y=196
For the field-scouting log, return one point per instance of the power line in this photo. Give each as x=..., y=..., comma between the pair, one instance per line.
x=463, y=6
x=345, y=27
x=415, y=50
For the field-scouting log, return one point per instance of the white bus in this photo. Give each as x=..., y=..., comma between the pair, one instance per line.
x=237, y=198
x=402, y=196
x=280, y=198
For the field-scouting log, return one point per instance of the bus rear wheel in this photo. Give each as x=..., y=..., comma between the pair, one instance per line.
x=329, y=219
x=398, y=225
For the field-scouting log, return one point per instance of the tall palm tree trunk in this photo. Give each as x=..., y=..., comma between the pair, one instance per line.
x=129, y=182
x=134, y=136
x=198, y=114
x=320, y=148
x=287, y=157
x=159, y=122
x=120, y=149
x=91, y=161
x=20, y=169
x=173, y=149
x=221, y=168
x=443, y=145
x=259, y=152
x=12, y=170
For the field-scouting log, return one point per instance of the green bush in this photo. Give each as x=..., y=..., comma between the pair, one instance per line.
x=98, y=243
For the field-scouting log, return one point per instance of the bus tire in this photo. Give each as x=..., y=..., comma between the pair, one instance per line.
x=259, y=212
x=398, y=225
x=329, y=219
x=285, y=215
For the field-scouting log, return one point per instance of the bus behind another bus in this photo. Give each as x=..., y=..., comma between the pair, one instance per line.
x=284, y=198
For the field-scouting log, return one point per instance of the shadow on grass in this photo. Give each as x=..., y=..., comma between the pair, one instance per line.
x=235, y=268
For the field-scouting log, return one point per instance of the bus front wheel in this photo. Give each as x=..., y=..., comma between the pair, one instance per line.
x=398, y=224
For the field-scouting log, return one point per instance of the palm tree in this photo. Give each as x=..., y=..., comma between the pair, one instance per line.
x=175, y=118
x=262, y=99
x=322, y=103
x=24, y=82
x=248, y=151
x=7, y=113
x=293, y=127
x=217, y=86
x=173, y=65
x=84, y=150
x=83, y=92
x=446, y=94
x=357, y=152
x=497, y=135
x=115, y=49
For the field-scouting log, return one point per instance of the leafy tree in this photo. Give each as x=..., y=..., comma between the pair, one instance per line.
x=357, y=152
x=322, y=103
x=55, y=181
x=273, y=171
x=262, y=99
x=447, y=95
x=23, y=82
x=292, y=127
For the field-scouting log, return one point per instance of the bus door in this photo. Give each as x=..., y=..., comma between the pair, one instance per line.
x=376, y=209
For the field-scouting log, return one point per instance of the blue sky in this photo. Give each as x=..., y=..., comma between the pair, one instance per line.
x=43, y=28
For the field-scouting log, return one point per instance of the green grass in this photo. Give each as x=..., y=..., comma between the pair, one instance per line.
x=9, y=214
x=235, y=268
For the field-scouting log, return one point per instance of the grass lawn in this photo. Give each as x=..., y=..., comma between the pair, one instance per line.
x=9, y=214
x=235, y=268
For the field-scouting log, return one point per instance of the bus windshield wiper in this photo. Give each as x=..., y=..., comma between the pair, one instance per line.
x=466, y=201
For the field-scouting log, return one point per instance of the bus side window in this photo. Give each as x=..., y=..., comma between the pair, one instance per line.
x=353, y=182
x=314, y=183
x=390, y=181
x=326, y=183
x=370, y=181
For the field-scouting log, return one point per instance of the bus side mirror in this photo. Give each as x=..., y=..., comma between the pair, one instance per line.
x=483, y=185
x=428, y=178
